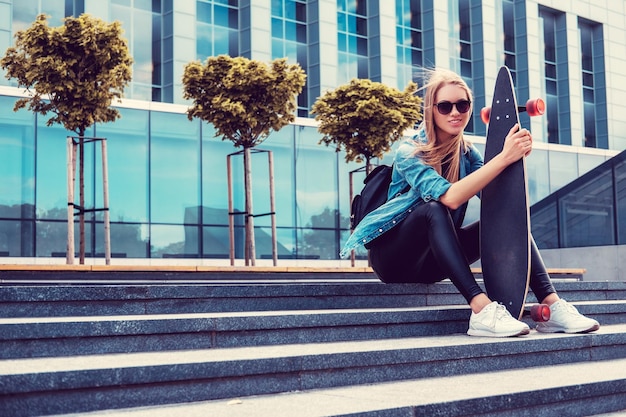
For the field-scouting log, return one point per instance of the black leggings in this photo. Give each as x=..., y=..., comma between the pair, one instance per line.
x=427, y=248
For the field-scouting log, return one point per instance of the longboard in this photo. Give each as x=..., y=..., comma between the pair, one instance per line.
x=504, y=210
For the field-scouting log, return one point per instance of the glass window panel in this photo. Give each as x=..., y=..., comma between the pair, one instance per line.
x=277, y=28
x=587, y=213
x=538, y=175
x=466, y=51
x=563, y=169
x=216, y=242
x=588, y=162
x=128, y=240
x=319, y=243
x=277, y=8
x=361, y=26
x=51, y=192
x=301, y=12
x=620, y=206
x=315, y=194
x=174, y=165
x=17, y=161
x=204, y=12
x=361, y=46
x=301, y=33
x=221, y=16
x=544, y=226
x=127, y=152
x=51, y=240
x=167, y=241
x=290, y=31
x=290, y=9
x=17, y=238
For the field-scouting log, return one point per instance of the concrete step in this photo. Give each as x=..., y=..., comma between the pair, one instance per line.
x=58, y=385
x=129, y=298
x=83, y=335
x=569, y=390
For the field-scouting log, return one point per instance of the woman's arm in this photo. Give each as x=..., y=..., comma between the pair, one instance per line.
x=517, y=144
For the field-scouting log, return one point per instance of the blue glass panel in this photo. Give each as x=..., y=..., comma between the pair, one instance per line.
x=586, y=213
x=563, y=169
x=545, y=229
x=51, y=192
x=127, y=151
x=316, y=194
x=216, y=242
x=204, y=41
x=142, y=48
x=174, y=241
x=17, y=161
x=277, y=8
x=24, y=13
x=620, y=205
x=203, y=12
x=291, y=31
x=319, y=243
x=128, y=240
x=17, y=238
x=538, y=175
x=277, y=28
x=174, y=168
x=221, y=16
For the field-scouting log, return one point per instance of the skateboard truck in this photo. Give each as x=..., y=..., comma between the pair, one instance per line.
x=534, y=107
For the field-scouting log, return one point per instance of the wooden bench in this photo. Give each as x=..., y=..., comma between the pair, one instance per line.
x=555, y=273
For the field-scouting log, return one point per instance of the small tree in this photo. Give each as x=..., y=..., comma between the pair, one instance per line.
x=73, y=71
x=365, y=118
x=245, y=100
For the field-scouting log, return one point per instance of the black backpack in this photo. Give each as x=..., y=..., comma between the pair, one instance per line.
x=373, y=194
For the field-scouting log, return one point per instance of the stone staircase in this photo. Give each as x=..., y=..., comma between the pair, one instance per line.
x=310, y=343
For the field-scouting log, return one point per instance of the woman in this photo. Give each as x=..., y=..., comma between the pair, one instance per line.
x=417, y=236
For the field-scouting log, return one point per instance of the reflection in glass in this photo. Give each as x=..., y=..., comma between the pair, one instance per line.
x=17, y=170
x=127, y=151
x=174, y=168
x=586, y=213
x=563, y=169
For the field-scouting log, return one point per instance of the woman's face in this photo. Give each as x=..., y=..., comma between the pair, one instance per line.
x=450, y=125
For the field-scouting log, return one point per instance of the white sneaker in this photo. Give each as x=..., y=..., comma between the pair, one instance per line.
x=564, y=318
x=495, y=321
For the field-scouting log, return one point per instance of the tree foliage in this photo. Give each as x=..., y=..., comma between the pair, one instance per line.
x=244, y=99
x=74, y=71
x=365, y=118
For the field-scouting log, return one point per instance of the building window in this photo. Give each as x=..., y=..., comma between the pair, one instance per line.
x=555, y=74
x=469, y=39
x=413, y=24
x=289, y=39
x=508, y=30
x=142, y=27
x=352, y=40
x=217, y=26
x=593, y=86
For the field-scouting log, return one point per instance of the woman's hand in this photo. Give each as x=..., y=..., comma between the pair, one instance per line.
x=518, y=143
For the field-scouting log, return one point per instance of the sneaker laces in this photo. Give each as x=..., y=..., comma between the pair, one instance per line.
x=501, y=312
x=568, y=308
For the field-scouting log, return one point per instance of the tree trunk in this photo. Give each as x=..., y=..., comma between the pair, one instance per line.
x=250, y=252
x=71, y=181
x=81, y=147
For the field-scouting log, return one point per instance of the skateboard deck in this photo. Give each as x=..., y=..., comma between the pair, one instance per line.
x=504, y=210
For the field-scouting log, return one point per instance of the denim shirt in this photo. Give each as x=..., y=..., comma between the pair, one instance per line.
x=425, y=185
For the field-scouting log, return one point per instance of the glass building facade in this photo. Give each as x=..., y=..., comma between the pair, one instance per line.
x=168, y=188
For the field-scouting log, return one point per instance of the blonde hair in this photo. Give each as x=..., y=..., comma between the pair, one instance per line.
x=433, y=152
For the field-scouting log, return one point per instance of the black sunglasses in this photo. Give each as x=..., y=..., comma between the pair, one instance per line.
x=445, y=107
